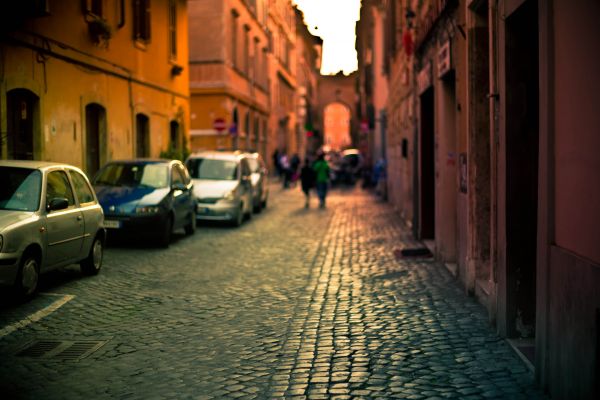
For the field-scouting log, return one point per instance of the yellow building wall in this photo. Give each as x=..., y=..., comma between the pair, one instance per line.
x=66, y=71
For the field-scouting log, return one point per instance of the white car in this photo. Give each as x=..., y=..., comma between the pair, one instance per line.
x=222, y=186
x=49, y=217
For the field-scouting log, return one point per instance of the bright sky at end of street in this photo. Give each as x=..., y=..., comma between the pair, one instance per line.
x=335, y=22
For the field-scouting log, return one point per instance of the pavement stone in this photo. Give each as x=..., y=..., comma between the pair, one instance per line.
x=299, y=303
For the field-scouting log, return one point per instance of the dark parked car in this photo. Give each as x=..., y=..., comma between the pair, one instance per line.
x=148, y=198
x=49, y=218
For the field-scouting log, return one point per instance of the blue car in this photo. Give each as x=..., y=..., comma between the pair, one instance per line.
x=147, y=198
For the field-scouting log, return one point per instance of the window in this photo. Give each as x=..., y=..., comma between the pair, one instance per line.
x=93, y=7
x=172, y=29
x=82, y=189
x=256, y=60
x=58, y=187
x=246, y=49
x=234, y=32
x=141, y=20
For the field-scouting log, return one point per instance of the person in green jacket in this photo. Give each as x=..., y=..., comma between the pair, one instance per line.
x=321, y=169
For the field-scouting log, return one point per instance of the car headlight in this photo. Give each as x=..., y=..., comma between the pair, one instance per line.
x=147, y=210
x=1, y=243
x=229, y=195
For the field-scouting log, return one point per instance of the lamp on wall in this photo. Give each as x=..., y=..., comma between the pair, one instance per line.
x=176, y=70
x=410, y=16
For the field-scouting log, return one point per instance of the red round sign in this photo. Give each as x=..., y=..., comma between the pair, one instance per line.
x=219, y=124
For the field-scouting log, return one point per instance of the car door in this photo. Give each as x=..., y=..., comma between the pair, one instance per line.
x=181, y=197
x=90, y=209
x=65, y=228
x=246, y=184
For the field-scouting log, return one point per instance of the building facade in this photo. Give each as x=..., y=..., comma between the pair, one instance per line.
x=281, y=25
x=491, y=143
x=308, y=64
x=112, y=82
x=229, y=82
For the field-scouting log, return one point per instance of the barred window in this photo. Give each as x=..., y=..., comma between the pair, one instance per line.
x=141, y=20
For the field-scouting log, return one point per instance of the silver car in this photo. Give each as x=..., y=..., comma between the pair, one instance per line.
x=260, y=184
x=222, y=186
x=49, y=218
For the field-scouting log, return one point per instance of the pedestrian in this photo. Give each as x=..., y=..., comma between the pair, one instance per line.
x=307, y=180
x=286, y=171
x=294, y=165
x=321, y=168
x=276, y=156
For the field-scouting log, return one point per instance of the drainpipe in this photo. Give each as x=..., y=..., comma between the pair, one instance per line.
x=493, y=97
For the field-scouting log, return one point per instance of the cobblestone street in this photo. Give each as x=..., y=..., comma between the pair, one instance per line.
x=297, y=302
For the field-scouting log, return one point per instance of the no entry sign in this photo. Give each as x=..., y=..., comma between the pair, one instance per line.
x=219, y=124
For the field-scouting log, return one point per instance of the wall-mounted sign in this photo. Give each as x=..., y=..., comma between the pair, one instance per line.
x=424, y=78
x=219, y=124
x=444, y=62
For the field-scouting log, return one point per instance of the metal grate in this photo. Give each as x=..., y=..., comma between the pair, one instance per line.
x=66, y=350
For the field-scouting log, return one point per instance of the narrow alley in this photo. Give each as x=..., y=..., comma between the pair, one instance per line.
x=299, y=302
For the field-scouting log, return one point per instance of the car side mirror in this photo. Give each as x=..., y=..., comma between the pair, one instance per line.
x=179, y=186
x=57, y=203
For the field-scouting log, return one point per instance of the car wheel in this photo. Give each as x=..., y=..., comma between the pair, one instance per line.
x=164, y=239
x=29, y=276
x=190, y=228
x=239, y=217
x=92, y=264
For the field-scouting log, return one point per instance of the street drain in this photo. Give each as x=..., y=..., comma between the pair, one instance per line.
x=64, y=350
x=411, y=253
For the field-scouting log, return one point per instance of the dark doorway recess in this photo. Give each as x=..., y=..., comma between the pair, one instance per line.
x=427, y=167
x=174, y=134
x=522, y=106
x=142, y=136
x=23, y=113
x=95, y=132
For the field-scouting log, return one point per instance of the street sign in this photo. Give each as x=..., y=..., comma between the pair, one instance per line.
x=219, y=124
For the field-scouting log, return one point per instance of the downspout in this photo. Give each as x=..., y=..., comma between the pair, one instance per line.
x=493, y=97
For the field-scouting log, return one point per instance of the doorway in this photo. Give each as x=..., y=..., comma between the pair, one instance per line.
x=95, y=132
x=23, y=118
x=522, y=126
x=174, y=135
x=142, y=136
x=427, y=167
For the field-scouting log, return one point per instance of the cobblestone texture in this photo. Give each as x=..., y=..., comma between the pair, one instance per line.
x=296, y=303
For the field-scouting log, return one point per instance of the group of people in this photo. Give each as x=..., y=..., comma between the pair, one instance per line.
x=313, y=174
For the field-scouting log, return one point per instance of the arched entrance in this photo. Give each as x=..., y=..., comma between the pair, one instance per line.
x=142, y=135
x=95, y=134
x=174, y=135
x=23, y=119
x=337, y=126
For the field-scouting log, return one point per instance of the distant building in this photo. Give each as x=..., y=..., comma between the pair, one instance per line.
x=87, y=82
x=308, y=64
x=281, y=25
x=229, y=74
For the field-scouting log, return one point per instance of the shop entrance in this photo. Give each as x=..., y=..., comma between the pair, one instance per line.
x=522, y=126
x=427, y=167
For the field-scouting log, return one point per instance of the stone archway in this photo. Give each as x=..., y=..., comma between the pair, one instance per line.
x=339, y=90
x=336, y=126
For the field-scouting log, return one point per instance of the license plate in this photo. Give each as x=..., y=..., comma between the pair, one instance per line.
x=112, y=224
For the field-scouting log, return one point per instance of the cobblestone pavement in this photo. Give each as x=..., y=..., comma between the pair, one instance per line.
x=304, y=303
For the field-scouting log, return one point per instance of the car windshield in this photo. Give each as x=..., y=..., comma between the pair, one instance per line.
x=207, y=168
x=20, y=189
x=137, y=175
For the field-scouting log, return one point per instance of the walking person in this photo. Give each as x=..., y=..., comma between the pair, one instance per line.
x=284, y=163
x=321, y=168
x=307, y=180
